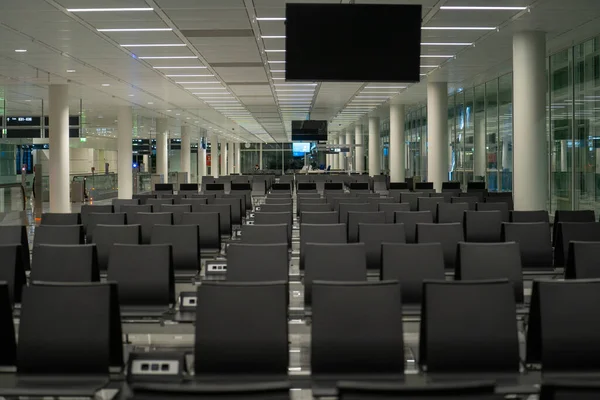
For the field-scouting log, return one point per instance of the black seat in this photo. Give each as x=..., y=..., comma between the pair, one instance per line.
x=16, y=234
x=357, y=217
x=449, y=235
x=212, y=391
x=61, y=219
x=390, y=208
x=177, y=210
x=87, y=209
x=65, y=263
x=430, y=391
x=236, y=208
x=374, y=235
x=145, y=278
x=269, y=262
x=175, y=197
x=308, y=207
x=58, y=234
x=429, y=204
x=210, y=229
x=479, y=194
x=224, y=211
x=372, y=344
x=489, y=261
x=381, y=200
x=108, y=235
x=184, y=241
x=569, y=389
x=474, y=322
x=81, y=328
x=564, y=327
x=571, y=216
x=242, y=331
x=143, y=198
x=336, y=201
x=320, y=233
x=411, y=265
x=583, y=261
x=8, y=355
x=148, y=220
x=272, y=208
x=118, y=203
x=158, y=203
x=471, y=201
x=209, y=197
x=265, y=234
x=195, y=203
x=529, y=216
x=410, y=219
x=508, y=200
x=412, y=199
x=567, y=232
x=266, y=218
x=95, y=219
x=132, y=211
x=396, y=194
x=333, y=262
x=501, y=206
x=483, y=226
x=534, y=243
x=12, y=271
x=452, y=212
x=278, y=200
x=347, y=208
x=329, y=217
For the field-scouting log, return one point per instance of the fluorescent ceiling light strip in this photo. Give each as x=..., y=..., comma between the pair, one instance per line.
x=168, y=57
x=372, y=97
x=276, y=62
x=199, y=83
x=446, y=44
x=386, y=87
x=277, y=70
x=184, y=67
x=204, y=94
x=390, y=93
x=274, y=51
x=109, y=9
x=491, y=8
x=186, y=76
x=294, y=90
x=270, y=19
x=428, y=66
x=205, y=88
x=278, y=78
x=223, y=101
x=155, y=45
x=136, y=30
x=458, y=28
x=295, y=84
x=273, y=37
x=436, y=56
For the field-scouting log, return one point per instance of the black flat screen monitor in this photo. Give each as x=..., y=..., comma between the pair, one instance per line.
x=309, y=131
x=323, y=40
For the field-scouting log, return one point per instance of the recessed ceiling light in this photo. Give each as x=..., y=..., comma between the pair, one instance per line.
x=199, y=83
x=187, y=76
x=106, y=84
x=155, y=45
x=184, y=67
x=274, y=51
x=295, y=84
x=150, y=102
x=458, y=28
x=177, y=114
x=168, y=57
x=169, y=110
x=131, y=95
x=446, y=44
x=205, y=88
x=27, y=100
x=136, y=30
x=20, y=51
x=70, y=70
x=220, y=93
x=491, y=8
x=295, y=90
x=187, y=118
x=109, y=9
x=280, y=79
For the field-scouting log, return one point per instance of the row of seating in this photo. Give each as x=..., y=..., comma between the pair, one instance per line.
x=82, y=330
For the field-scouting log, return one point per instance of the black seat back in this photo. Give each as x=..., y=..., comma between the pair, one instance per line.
x=323, y=218
x=569, y=389
x=346, y=208
x=184, y=241
x=65, y=263
x=177, y=210
x=411, y=265
x=209, y=197
x=269, y=262
x=236, y=208
x=143, y=198
x=486, y=341
x=12, y=270
x=529, y=216
x=374, y=235
x=118, y=203
x=144, y=274
x=431, y=391
x=148, y=220
x=316, y=207
x=61, y=219
x=449, y=235
x=224, y=211
x=195, y=203
x=276, y=207
x=373, y=342
x=567, y=232
x=108, y=235
x=412, y=199
x=132, y=211
x=429, y=204
x=58, y=234
x=244, y=331
x=559, y=312
x=584, y=261
x=390, y=209
x=16, y=234
x=95, y=219
x=508, y=200
x=410, y=219
x=333, y=262
x=471, y=201
x=265, y=234
x=452, y=212
x=267, y=218
x=571, y=216
x=213, y=391
x=87, y=209
x=320, y=233
x=210, y=229
x=8, y=355
x=534, y=243
x=158, y=203
x=501, y=206
x=358, y=217
x=488, y=261
x=483, y=226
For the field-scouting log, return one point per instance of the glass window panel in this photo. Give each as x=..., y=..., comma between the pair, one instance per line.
x=468, y=138
x=505, y=146
x=491, y=129
x=480, y=164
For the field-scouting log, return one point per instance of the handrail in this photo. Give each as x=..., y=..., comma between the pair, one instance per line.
x=19, y=185
x=88, y=175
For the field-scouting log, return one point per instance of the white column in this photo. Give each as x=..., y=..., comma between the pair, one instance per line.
x=563, y=156
x=238, y=158
x=437, y=133
x=334, y=157
x=230, y=157
x=186, y=144
x=214, y=156
x=530, y=152
x=340, y=156
x=359, y=151
x=162, y=148
x=146, y=162
x=260, y=161
x=374, y=147
x=60, y=201
x=397, y=143
x=224, y=171
x=349, y=141
x=201, y=160
x=125, y=152
x=480, y=152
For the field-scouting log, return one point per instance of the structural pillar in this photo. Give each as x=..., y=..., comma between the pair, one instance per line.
x=238, y=158
x=374, y=147
x=334, y=157
x=162, y=148
x=214, y=156
x=340, y=156
x=60, y=201
x=359, y=150
x=230, y=157
x=186, y=150
x=125, y=152
x=349, y=143
x=260, y=158
x=202, y=171
x=437, y=133
x=480, y=152
x=397, y=143
x=224, y=171
x=530, y=153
